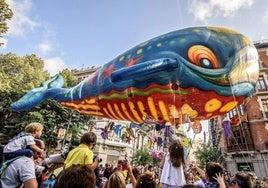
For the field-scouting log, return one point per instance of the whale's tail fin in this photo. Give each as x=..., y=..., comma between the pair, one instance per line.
x=37, y=95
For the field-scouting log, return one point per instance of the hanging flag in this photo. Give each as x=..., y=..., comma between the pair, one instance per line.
x=187, y=119
x=159, y=127
x=159, y=141
x=132, y=125
x=226, y=124
x=104, y=133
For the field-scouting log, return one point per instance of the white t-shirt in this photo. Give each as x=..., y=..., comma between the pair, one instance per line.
x=129, y=185
x=171, y=175
x=21, y=141
x=200, y=183
x=18, y=172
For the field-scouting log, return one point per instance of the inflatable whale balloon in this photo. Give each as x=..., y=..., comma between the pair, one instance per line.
x=198, y=72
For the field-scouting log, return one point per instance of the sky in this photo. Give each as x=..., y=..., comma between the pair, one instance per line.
x=86, y=33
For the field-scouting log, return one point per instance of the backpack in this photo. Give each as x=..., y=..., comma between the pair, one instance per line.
x=5, y=164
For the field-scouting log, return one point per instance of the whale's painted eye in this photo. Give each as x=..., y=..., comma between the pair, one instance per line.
x=203, y=57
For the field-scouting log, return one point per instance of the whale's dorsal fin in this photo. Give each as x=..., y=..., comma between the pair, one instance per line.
x=144, y=69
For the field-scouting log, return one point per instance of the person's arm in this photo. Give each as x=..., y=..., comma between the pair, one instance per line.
x=162, y=162
x=220, y=180
x=95, y=163
x=131, y=175
x=31, y=183
x=37, y=149
x=199, y=170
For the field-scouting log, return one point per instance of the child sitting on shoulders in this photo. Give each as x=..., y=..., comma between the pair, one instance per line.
x=24, y=142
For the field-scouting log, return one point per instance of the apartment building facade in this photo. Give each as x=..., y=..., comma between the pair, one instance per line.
x=247, y=148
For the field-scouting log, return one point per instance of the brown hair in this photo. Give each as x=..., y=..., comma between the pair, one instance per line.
x=40, y=143
x=88, y=137
x=146, y=180
x=213, y=168
x=176, y=152
x=33, y=127
x=81, y=176
x=243, y=180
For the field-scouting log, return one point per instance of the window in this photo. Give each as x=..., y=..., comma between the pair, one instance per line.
x=264, y=103
x=261, y=85
x=241, y=139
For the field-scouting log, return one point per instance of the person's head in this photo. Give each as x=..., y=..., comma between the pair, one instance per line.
x=39, y=143
x=150, y=168
x=176, y=152
x=81, y=176
x=252, y=175
x=89, y=138
x=259, y=183
x=116, y=180
x=107, y=172
x=35, y=129
x=241, y=180
x=136, y=172
x=145, y=181
x=213, y=168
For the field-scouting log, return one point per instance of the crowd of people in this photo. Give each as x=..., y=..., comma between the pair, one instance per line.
x=82, y=169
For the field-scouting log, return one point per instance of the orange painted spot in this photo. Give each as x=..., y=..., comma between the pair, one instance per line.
x=212, y=105
x=187, y=109
x=229, y=106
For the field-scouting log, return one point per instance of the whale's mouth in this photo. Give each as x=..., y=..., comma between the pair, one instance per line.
x=246, y=72
x=246, y=66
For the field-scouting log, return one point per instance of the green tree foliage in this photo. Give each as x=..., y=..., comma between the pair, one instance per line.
x=20, y=74
x=17, y=75
x=142, y=157
x=5, y=14
x=206, y=153
x=69, y=79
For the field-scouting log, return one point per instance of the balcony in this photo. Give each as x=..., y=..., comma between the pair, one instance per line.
x=240, y=147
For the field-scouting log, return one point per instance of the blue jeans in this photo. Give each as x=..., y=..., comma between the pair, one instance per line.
x=20, y=152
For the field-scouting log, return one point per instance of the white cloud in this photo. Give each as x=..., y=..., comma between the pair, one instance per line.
x=200, y=10
x=44, y=48
x=20, y=22
x=203, y=9
x=265, y=17
x=54, y=65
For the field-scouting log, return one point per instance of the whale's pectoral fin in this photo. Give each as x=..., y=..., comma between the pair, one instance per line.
x=144, y=69
x=37, y=95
